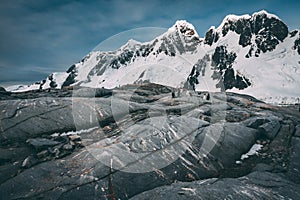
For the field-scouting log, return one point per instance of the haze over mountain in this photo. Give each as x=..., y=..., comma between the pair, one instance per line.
x=255, y=54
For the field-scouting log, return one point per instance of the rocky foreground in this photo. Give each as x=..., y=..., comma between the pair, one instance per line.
x=139, y=142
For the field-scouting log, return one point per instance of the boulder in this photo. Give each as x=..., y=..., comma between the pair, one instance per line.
x=42, y=143
x=257, y=185
x=267, y=126
x=2, y=89
x=294, y=165
x=176, y=148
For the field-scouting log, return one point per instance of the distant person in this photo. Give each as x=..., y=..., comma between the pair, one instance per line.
x=173, y=94
x=206, y=96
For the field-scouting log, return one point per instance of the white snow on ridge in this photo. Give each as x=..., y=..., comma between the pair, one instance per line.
x=232, y=18
x=58, y=78
x=274, y=75
x=264, y=12
x=13, y=88
x=184, y=25
x=23, y=88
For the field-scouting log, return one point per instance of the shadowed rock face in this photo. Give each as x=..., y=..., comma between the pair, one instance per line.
x=268, y=31
x=223, y=71
x=253, y=186
x=161, y=147
x=180, y=41
x=297, y=44
x=237, y=56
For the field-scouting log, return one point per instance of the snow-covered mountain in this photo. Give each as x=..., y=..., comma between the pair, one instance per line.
x=256, y=55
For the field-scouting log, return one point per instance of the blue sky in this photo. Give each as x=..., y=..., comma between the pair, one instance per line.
x=38, y=37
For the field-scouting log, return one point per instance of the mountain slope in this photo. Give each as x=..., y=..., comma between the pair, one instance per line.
x=254, y=54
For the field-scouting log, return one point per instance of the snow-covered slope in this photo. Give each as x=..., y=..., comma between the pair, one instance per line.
x=256, y=55
x=253, y=54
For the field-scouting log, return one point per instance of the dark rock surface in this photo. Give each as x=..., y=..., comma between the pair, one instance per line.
x=4, y=93
x=267, y=30
x=224, y=72
x=257, y=185
x=211, y=36
x=138, y=142
x=42, y=143
x=297, y=45
x=48, y=93
x=2, y=89
x=29, y=118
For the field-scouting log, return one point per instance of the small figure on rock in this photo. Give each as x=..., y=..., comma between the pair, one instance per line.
x=206, y=96
x=173, y=94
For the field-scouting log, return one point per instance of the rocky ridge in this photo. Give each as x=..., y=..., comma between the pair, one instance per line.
x=52, y=147
x=237, y=56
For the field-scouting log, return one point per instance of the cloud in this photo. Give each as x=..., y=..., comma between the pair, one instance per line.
x=30, y=73
x=44, y=36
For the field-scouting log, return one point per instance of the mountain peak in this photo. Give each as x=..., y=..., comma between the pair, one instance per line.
x=185, y=28
x=265, y=13
x=131, y=44
x=266, y=29
x=231, y=18
x=237, y=56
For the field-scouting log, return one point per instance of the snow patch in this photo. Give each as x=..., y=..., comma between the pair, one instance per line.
x=184, y=25
x=253, y=151
x=74, y=132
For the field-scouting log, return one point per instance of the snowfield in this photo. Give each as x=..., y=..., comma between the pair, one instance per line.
x=265, y=61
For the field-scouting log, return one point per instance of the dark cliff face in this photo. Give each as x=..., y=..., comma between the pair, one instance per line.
x=297, y=45
x=122, y=59
x=71, y=78
x=179, y=41
x=258, y=34
x=228, y=78
x=267, y=31
x=262, y=32
x=296, y=34
x=197, y=70
x=211, y=36
x=223, y=71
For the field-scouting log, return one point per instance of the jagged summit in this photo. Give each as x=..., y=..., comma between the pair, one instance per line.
x=266, y=14
x=131, y=44
x=262, y=31
x=185, y=28
x=231, y=18
x=243, y=54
